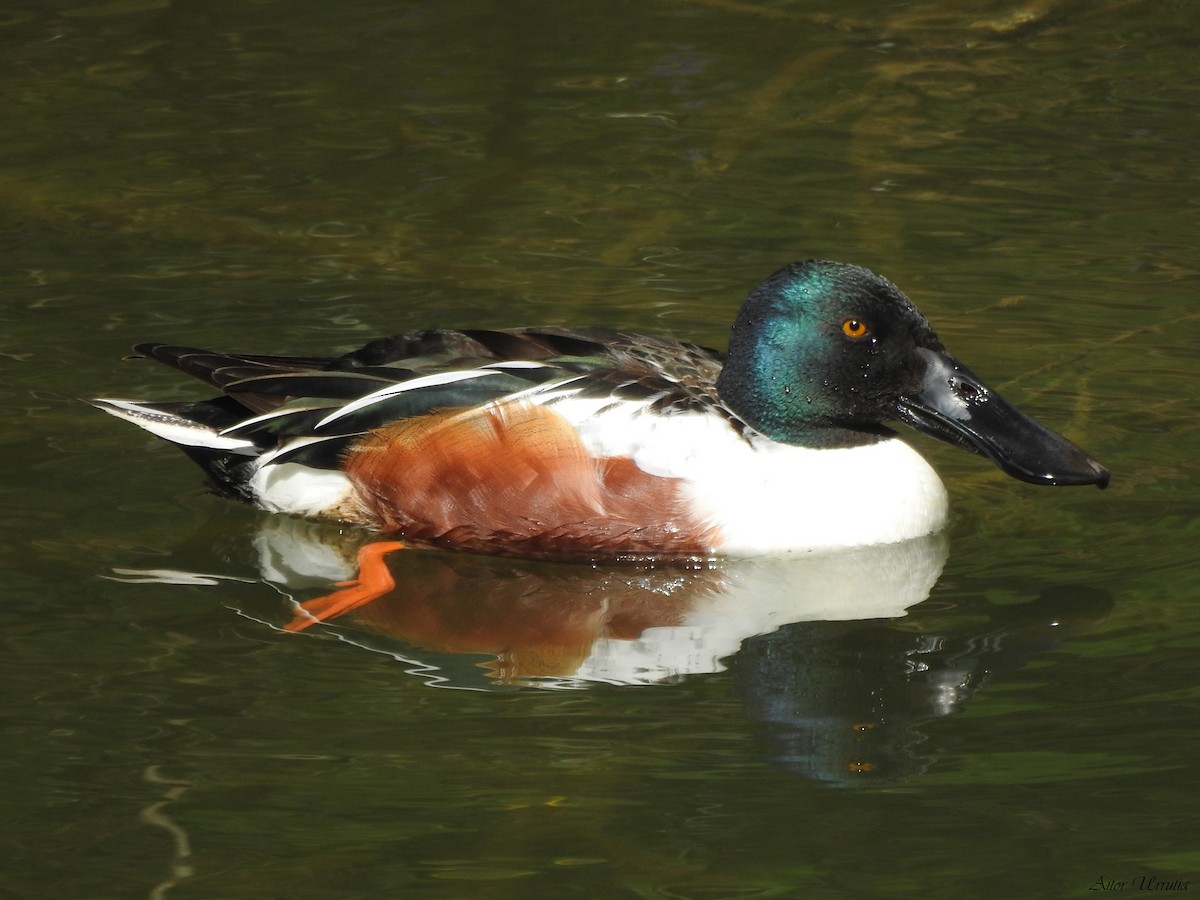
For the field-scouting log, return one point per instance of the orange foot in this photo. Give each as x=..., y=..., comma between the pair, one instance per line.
x=374, y=580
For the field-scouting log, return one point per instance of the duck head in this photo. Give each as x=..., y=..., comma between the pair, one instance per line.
x=822, y=353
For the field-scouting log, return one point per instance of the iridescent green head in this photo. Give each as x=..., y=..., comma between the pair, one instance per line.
x=822, y=353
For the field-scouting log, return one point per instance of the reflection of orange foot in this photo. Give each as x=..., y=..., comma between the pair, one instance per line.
x=374, y=580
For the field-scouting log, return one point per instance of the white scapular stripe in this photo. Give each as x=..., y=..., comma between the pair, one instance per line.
x=391, y=390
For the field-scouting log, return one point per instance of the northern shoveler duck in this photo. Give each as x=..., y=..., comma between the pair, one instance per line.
x=604, y=444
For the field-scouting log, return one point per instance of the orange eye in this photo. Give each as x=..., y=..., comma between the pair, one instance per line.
x=855, y=330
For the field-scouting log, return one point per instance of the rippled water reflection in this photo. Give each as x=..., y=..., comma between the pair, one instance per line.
x=1012, y=706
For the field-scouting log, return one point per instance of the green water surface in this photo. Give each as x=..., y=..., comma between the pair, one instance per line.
x=298, y=177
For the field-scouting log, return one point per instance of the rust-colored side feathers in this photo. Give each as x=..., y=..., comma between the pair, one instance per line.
x=515, y=478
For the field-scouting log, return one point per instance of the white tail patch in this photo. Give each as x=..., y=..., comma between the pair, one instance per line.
x=303, y=491
x=173, y=428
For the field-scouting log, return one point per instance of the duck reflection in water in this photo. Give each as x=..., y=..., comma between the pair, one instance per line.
x=560, y=625
x=843, y=702
x=834, y=654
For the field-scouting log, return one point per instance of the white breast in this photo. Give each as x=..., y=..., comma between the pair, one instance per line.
x=767, y=497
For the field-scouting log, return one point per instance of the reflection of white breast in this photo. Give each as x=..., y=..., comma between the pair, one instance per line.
x=715, y=613
x=761, y=595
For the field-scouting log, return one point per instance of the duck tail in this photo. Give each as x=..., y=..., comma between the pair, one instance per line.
x=197, y=428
